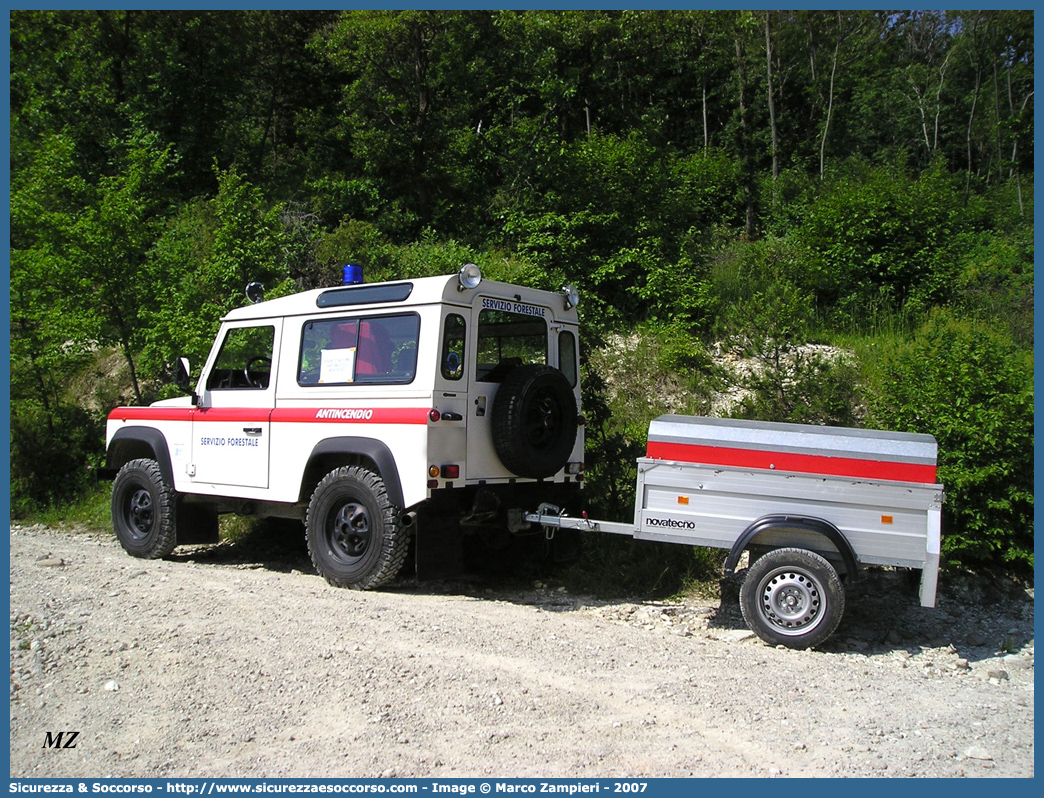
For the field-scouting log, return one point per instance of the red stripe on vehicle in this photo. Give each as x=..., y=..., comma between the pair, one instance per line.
x=152, y=414
x=786, y=461
x=352, y=415
x=296, y=415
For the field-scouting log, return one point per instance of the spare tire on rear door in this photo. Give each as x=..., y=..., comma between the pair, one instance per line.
x=534, y=421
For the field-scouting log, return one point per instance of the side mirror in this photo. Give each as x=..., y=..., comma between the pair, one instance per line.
x=182, y=373
x=183, y=377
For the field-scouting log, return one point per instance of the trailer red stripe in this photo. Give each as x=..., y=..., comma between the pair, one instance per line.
x=788, y=461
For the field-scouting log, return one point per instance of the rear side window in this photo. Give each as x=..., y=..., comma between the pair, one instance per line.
x=371, y=350
x=567, y=356
x=452, y=358
x=506, y=340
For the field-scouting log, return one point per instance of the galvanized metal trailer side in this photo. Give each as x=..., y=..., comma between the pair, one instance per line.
x=838, y=497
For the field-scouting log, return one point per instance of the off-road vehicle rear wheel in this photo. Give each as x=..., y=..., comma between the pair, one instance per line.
x=355, y=536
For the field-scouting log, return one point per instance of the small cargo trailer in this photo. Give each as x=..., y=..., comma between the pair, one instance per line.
x=809, y=504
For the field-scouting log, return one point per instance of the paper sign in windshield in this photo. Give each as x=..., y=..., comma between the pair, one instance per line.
x=337, y=366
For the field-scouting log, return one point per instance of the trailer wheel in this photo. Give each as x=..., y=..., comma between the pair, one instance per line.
x=534, y=421
x=792, y=597
x=143, y=510
x=355, y=537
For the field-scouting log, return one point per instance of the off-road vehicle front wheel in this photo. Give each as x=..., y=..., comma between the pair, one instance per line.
x=143, y=510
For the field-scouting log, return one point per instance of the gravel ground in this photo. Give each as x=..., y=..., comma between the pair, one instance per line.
x=238, y=661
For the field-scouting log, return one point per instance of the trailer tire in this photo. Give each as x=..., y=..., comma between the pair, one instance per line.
x=355, y=536
x=143, y=510
x=534, y=421
x=792, y=597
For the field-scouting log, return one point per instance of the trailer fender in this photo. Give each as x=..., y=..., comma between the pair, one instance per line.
x=806, y=523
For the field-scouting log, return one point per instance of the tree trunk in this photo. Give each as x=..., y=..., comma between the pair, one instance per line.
x=133, y=374
x=771, y=106
x=971, y=121
x=122, y=332
x=420, y=123
x=744, y=144
x=830, y=106
x=938, y=99
x=706, y=133
x=1015, y=149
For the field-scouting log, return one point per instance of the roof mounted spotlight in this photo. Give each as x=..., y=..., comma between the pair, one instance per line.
x=255, y=292
x=572, y=296
x=470, y=276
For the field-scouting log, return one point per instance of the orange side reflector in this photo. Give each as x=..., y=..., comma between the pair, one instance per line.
x=683, y=500
x=886, y=519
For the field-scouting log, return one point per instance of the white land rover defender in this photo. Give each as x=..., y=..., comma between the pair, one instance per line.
x=372, y=412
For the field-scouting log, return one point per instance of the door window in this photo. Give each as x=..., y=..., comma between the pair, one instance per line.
x=245, y=360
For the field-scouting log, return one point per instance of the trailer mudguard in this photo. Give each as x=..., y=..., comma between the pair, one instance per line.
x=806, y=523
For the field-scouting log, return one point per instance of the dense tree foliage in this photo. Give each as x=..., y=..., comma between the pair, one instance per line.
x=756, y=180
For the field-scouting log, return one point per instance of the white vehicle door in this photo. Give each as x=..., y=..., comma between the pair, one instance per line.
x=231, y=427
x=507, y=334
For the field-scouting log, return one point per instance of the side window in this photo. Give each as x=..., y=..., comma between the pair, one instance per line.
x=452, y=357
x=567, y=356
x=506, y=340
x=245, y=360
x=370, y=350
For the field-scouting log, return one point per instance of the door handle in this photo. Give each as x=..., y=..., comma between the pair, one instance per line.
x=252, y=430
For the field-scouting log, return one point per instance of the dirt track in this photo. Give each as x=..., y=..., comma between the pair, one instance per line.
x=239, y=663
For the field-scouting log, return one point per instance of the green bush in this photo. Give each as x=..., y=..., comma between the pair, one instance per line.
x=877, y=231
x=54, y=451
x=788, y=377
x=995, y=284
x=972, y=388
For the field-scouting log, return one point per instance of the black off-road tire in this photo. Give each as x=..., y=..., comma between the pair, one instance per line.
x=355, y=536
x=144, y=507
x=792, y=597
x=534, y=421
